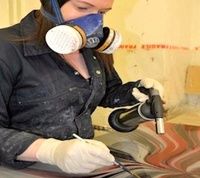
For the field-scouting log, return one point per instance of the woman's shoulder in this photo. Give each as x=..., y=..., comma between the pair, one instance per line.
x=9, y=47
x=9, y=34
x=9, y=38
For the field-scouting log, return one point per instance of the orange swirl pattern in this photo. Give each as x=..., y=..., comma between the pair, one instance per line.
x=172, y=155
x=176, y=154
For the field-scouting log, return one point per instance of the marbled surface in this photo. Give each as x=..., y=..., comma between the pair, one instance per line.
x=172, y=155
x=176, y=154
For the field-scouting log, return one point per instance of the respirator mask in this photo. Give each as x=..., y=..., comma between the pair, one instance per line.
x=86, y=31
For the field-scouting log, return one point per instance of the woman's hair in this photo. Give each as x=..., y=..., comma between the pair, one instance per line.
x=43, y=25
x=45, y=3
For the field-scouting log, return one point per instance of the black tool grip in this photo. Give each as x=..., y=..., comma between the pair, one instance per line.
x=156, y=104
x=157, y=110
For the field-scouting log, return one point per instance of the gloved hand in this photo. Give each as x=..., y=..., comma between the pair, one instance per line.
x=75, y=156
x=147, y=83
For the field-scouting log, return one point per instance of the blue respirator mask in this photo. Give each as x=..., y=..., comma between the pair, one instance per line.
x=86, y=31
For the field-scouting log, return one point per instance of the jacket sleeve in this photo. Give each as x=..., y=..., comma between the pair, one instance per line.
x=118, y=94
x=13, y=142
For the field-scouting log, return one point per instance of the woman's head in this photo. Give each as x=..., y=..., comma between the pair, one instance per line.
x=45, y=3
x=77, y=8
x=71, y=9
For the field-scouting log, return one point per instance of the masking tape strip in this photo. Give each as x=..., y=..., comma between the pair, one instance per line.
x=155, y=46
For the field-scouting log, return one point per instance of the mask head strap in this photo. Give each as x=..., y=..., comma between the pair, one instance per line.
x=57, y=18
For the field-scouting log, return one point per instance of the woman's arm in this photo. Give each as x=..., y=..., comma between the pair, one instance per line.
x=122, y=94
x=30, y=153
x=13, y=142
x=117, y=93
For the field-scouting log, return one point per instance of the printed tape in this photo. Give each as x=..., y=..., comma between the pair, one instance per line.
x=155, y=46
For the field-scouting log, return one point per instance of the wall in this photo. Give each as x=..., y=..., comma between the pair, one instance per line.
x=159, y=41
x=12, y=11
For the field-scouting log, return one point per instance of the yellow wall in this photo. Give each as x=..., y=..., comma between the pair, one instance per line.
x=173, y=24
x=11, y=11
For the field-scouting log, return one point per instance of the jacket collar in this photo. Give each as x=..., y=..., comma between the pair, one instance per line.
x=27, y=27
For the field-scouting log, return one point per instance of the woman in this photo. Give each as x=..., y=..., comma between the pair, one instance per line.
x=50, y=87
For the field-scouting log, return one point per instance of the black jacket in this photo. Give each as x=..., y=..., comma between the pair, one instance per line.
x=42, y=96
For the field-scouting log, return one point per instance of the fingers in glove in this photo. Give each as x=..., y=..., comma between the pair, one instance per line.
x=139, y=95
x=94, y=149
x=100, y=153
x=151, y=83
x=98, y=144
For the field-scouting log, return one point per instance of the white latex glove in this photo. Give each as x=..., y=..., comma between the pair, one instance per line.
x=148, y=83
x=75, y=156
x=141, y=97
